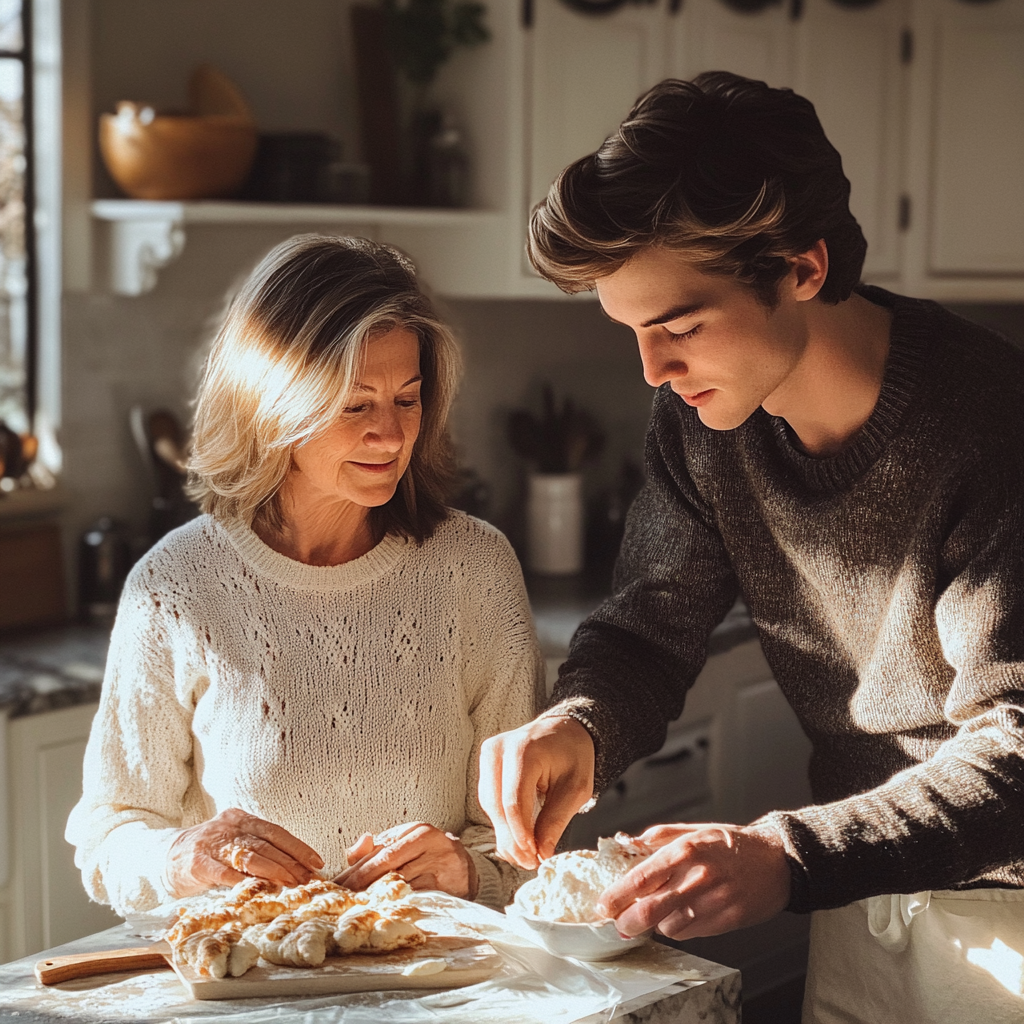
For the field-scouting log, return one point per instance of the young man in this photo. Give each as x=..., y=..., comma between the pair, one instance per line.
x=851, y=463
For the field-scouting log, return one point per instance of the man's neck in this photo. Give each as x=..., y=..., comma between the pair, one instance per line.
x=833, y=390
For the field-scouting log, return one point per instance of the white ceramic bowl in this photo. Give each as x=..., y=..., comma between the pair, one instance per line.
x=583, y=941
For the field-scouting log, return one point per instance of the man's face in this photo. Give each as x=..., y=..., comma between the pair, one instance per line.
x=708, y=336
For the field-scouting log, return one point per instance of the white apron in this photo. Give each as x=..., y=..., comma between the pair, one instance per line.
x=930, y=958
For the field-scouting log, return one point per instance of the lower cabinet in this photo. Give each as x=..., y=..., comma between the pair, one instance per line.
x=44, y=903
x=736, y=752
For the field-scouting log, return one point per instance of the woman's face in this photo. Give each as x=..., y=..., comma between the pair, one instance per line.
x=362, y=456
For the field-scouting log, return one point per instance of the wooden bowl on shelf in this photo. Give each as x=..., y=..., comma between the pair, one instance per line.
x=176, y=156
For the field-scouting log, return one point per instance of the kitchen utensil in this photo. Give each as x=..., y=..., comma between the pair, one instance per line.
x=56, y=969
x=104, y=560
x=598, y=941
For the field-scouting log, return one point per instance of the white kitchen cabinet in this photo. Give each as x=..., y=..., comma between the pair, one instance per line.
x=45, y=903
x=709, y=36
x=736, y=752
x=850, y=63
x=584, y=75
x=967, y=147
x=923, y=99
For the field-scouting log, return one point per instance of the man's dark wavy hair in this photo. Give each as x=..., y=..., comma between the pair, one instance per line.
x=736, y=175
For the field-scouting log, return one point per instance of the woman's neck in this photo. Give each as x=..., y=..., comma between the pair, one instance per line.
x=318, y=530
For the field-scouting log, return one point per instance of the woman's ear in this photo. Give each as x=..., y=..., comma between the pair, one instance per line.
x=808, y=271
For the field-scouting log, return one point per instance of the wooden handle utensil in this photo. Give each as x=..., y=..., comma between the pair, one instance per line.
x=82, y=965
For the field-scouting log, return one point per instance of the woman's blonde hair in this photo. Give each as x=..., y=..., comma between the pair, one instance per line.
x=282, y=367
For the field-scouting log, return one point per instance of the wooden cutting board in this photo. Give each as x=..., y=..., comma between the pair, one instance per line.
x=465, y=961
x=451, y=962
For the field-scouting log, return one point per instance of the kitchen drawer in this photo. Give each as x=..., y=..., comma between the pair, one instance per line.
x=671, y=785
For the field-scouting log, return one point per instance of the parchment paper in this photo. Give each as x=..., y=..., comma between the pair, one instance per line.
x=533, y=985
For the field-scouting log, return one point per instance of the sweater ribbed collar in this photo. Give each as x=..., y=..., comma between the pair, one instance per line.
x=269, y=563
x=904, y=371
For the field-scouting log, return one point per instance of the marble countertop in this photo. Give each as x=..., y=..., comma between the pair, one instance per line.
x=686, y=990
x=49, y=669
x=561, y=603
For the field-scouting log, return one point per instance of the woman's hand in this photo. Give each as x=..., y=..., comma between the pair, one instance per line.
x=233, y=845
x=427, y=858
x=701, y=880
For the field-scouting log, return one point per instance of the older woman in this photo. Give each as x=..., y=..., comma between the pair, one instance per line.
x=300, y=679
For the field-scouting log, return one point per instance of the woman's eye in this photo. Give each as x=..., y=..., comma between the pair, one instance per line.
x=354, y=408
x=408, y=403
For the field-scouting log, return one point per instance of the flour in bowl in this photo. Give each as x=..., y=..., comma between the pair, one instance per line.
x=568, y=885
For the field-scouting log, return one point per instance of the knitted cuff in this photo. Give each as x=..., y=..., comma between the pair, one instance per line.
x=490, y=883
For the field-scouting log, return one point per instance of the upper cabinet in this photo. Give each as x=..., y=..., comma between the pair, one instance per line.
x=967, y=149
x=924, y=99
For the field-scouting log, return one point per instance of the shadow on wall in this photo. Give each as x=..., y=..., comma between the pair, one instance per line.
x=512, y=348
x=1006, y=318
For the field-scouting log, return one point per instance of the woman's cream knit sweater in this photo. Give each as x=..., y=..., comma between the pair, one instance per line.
x=330, y=700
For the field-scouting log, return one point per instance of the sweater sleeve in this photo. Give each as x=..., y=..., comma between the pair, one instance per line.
x=138, y=761
x=632, y=661
x=507, y=691
x=960, y=813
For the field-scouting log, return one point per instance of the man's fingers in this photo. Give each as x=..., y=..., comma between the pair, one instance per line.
x=561, y=804
x=518, y=798
x=644, y=880
x=650, y=911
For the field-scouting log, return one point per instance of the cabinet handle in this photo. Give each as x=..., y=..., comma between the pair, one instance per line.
x=659, y=762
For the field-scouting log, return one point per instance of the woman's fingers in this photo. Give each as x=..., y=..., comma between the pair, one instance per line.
x=285, y=841
x=387, y=858
x=427, y=858
x=257, y=857
x=210, y=872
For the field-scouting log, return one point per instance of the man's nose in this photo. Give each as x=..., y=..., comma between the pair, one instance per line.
x=660, y=363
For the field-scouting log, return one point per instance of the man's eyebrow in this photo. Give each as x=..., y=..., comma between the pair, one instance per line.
x=687, y=309
x=368, y=388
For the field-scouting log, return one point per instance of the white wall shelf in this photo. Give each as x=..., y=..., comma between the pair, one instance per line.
x=146, y=235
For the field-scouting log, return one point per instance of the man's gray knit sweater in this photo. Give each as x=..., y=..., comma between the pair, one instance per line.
x=887, y=585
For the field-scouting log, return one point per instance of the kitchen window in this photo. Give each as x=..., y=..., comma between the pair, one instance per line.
x=18, y=291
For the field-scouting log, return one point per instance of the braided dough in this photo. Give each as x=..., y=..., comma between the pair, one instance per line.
x=295, y=927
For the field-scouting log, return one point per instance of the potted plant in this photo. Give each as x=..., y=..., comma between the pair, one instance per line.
x=423, y=35
x=555, y=444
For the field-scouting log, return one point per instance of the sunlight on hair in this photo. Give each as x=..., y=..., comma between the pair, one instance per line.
x=1006, y=965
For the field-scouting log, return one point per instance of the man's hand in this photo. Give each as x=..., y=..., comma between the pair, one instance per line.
x=701, y=880
x=427, y=858
x=547, y=762
x=233, y=845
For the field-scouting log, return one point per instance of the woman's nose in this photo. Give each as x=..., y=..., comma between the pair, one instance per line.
x=659, y=362
x=386, y=431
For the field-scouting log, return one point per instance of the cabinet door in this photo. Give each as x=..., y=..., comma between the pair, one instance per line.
x=46, y=753
x=773, y=752
x=976, y=201
x=847, y=62
x=709, y=36
x=585, y=73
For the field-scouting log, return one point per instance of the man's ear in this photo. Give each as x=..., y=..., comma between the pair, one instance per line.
x=808, y=271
